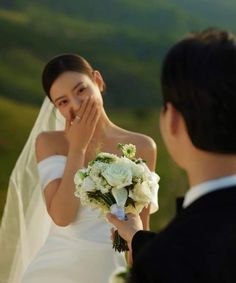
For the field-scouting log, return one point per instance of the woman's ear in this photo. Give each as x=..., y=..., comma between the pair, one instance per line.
x=99, y=80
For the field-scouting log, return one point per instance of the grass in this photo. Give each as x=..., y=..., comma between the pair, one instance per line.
x=17, y=120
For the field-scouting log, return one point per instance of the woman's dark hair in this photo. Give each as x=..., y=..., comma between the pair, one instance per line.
x=199, y=79
x=63, y=63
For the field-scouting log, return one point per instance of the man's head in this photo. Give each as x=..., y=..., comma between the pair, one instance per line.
x=199, y=80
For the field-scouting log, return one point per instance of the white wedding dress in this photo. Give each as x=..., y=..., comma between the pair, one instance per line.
x=79, y=253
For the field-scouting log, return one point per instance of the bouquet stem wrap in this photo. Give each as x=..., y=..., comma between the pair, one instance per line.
x=119, y=244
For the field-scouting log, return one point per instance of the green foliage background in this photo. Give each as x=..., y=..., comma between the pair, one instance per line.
x=125, y=39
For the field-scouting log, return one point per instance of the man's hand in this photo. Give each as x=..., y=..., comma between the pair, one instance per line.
x=126, y=228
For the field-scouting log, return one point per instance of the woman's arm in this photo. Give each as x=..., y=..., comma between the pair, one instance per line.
x=62, y=205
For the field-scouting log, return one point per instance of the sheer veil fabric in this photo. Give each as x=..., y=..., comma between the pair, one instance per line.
x=25, y=223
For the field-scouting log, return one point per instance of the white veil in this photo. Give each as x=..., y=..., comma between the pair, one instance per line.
x=25, y=223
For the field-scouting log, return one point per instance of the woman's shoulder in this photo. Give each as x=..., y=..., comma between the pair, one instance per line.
x=139, y=140
x=145, y=146
x=49, y=143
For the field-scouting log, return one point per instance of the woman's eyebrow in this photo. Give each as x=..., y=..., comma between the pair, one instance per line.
x=78, y=84
x=63, y=96
x=58, y=98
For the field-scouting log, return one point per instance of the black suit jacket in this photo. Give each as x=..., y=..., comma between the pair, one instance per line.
x=199, y=245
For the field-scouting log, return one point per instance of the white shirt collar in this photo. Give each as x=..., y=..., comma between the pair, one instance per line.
x=197, y=191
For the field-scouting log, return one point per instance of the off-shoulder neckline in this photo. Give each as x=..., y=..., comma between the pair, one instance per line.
x=52, y=157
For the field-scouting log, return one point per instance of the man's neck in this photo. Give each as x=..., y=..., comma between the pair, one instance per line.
x=208, y=166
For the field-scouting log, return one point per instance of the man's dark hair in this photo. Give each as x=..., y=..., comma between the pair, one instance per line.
x=199, y=79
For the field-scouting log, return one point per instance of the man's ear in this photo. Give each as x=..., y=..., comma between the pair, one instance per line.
x=173, y=118
x=99, y=80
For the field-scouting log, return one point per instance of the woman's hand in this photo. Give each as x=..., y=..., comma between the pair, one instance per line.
x=80, y=128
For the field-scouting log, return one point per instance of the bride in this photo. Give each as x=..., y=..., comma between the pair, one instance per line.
x=69, y=243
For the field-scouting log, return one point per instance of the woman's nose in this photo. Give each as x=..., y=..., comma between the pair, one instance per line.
x=75, y=103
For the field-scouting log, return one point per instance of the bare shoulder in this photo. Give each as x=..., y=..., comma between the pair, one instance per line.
x=49, y=143
x=143, y=142
x=145, y=146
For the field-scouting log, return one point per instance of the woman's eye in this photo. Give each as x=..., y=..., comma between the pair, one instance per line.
x=81, y=89
x=62, y=102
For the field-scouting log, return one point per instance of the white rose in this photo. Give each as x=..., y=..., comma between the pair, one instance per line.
x=138, y=170
x=154, y=177
x=154, y=187
x=141, y=193
x=126, y=162
x=88, y=185
x=118, y=175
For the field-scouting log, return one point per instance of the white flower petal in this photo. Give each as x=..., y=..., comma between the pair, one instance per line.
x=88, y=185
x=120, y=196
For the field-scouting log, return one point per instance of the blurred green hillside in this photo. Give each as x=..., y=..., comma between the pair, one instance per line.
x=125, y=39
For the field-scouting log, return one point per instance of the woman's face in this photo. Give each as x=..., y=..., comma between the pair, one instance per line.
x=70, y=89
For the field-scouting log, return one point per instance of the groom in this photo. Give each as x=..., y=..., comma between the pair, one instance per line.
x=198, y=125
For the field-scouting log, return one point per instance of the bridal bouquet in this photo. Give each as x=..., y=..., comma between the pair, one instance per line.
x=118, y=185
